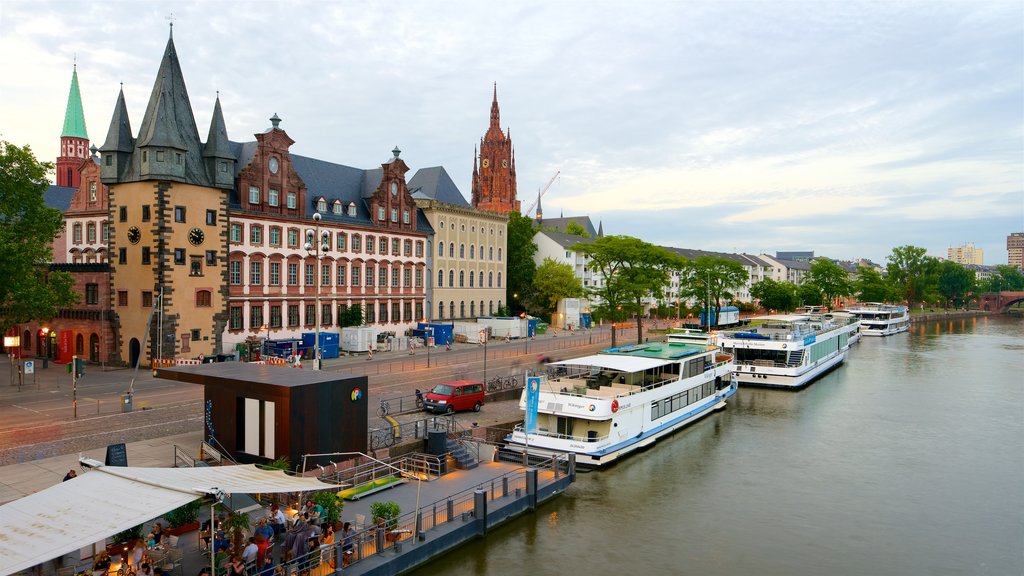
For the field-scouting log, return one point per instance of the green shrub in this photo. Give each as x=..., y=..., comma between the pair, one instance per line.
x=128, y=535
x=331, y=504
x=388, y=510
x=183, y=515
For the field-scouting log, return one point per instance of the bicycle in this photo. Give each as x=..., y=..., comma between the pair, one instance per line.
x=494, y=384
x=511, y=382
x=384, y=408
x=419, y=399
x=381, y=439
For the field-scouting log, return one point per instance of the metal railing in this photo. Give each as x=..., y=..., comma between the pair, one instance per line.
x=182, y=459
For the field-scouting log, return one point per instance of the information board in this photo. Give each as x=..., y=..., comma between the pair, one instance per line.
x=117, y=455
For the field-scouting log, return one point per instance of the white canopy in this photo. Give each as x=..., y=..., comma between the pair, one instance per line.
x=616, y=362
x=111, y=499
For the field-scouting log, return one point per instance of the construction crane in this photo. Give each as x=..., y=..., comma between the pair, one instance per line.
x=541, y=193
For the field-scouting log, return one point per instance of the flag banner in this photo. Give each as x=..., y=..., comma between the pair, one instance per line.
x=532, y=403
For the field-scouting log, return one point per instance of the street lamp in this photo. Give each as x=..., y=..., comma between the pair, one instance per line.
x=317, y=249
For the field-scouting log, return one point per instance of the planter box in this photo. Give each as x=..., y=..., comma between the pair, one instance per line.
x=182, y=529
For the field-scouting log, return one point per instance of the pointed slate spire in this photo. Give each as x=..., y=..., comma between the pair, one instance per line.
x=74, y=117
x=540, y=211
x=118, y=146
x=168, y=138
x=495, y=114
x=220, y=162
x=600, y=229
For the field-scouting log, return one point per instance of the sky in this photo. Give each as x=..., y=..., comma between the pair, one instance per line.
x=845, y=128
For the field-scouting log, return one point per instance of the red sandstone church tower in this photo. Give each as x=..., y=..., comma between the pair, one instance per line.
x=74, y=140
x=494, y=170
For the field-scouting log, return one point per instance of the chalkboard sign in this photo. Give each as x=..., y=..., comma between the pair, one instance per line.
x=117, y=455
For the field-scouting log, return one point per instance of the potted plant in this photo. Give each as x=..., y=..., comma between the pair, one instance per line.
x=235, y=524
x=385, y=514
x=183, y=518
x=122, y=542
x=332, y=505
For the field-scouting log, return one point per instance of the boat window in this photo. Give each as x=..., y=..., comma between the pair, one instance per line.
x=564, y=426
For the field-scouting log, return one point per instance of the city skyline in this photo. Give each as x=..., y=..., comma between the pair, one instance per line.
x=847, y=129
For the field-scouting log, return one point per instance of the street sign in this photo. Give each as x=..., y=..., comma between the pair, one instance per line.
x=30, y=367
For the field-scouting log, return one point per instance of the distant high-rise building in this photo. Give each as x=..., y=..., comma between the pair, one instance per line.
x=1015, y=249
x=966, y=254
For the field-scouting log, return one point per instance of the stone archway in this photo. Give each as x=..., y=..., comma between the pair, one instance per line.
x=94, y=348
x=134, y=351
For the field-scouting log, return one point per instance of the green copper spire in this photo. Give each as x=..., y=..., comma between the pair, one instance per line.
x=74, y=117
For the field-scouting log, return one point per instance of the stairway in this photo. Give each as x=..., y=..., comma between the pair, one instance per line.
x=795, y=358
x=464, y=460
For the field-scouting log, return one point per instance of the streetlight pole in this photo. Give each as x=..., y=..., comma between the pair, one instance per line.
x=708, y=310
x=316, y=245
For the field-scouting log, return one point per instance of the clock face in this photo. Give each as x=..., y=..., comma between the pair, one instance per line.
x=504, y=163
x=196, y=236
x=394, y=188
x=485, y=163
x=273, y=165
x=134, y=235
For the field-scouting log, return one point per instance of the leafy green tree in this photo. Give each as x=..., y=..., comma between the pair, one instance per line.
x=870, y=286
x=520, y=267
x=575, y=229
x=830, y=278
x=553, y=281
x=1005, y=278
x=630, y=270
x=955, y=283
x=912, y=274
x=30, y=290
x=775, y=296
x=809, y=295
x=711, y=280
x=353, y=316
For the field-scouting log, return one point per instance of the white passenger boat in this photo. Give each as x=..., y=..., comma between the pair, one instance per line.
x=878, y=319
x=604, y=406
x=788, y=351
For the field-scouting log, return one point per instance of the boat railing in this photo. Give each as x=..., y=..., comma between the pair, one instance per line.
x=560, y=436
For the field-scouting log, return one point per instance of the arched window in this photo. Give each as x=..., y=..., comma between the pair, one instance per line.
x=490, y=279
x=462, y=278
x=499, y=304
x=481, y=307
x=451, y=305
x=451, y=278
x=440, y=310
x=499, y=254
x=94, y=348
x=472, y=251
x=471, y=276
x=462, y=250
x=79, y=344
x=481, y=257
x=462, y=309
x=440, y=249
x=499, y=282
x=490, y=253
x=440, y=278
x=490, y=307
x=451, y=250
x=26, y=340
x=472, y=309
x=481, y=284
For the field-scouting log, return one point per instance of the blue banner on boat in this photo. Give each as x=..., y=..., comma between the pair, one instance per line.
x=532, y=403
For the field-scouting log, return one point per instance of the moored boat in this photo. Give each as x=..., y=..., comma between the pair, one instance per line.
x=879, y=319
x=604, y=406
x=790, y=350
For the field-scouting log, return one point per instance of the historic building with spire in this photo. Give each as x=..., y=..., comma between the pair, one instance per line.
x=74, y=138
x=494, y=167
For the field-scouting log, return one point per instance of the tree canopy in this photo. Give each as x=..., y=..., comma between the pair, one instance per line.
x=830, y=279
x=630, y=270
x=1005, y=278
x=520, y=266
x=955, y=283
x=30, y=290
x=553, y=281
x=711, y=280
x=575, y=229
x=870, y=286
x=777, y=296
x=912, y=274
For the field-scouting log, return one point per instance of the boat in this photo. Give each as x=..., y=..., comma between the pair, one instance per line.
x=879, y=319
x=788, y=350
x=604, y=406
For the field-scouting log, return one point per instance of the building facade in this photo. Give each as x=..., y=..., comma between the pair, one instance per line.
x=74, y=138
x=966, y=254
x=494, y=168
x=1015, y=250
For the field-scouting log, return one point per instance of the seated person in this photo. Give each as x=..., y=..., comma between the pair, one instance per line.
x=264, y=529
x=250, y=551
x=101, y=564
x=220, y=542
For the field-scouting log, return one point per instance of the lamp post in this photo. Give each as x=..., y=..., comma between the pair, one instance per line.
x=316, y=244
x=708, y=309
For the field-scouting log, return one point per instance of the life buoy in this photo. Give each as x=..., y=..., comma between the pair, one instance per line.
x=615, y=405
x=202, y=357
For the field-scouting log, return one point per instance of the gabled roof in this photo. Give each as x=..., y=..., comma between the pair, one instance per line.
x=744, y=259
x=559, y=224
x=74, y=117
x=59, y=197
x=567, y=240
x=434, y=183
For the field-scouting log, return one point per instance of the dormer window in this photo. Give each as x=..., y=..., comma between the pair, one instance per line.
x=337, y=207
x=380, y=213
x=321, y=205
x=405, y=216
x=254, y=195
x=291, y=200
x=352, y=209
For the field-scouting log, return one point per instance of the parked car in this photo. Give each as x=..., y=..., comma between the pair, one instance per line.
x=454, y=396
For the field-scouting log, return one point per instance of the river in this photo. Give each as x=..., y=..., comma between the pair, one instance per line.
x=907, y=459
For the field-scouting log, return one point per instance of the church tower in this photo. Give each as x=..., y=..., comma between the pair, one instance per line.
x=494, y=169
x=168, y=223
x=74, y=140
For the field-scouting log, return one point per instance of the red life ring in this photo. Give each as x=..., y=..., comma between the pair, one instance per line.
x=202, y=357
x=615, y=405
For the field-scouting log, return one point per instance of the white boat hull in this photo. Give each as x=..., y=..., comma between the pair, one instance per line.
x=769, y=377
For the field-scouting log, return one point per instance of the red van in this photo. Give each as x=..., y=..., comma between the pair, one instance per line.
x=455, y=396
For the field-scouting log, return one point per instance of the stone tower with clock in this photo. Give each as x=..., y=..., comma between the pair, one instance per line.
x=168, y=216
x=494, y=169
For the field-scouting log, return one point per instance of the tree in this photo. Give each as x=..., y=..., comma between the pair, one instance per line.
x=630, y=270
x=575, y=229
x=711, y=279
x=553, y=281
x=353, y=316
x=520, y=266
x=870, y=286
x=781, y=296
x=809, y=295
x=955, y=283
x=912, y=274
x=30, y=290
x=830, y=278
x=1005, y=278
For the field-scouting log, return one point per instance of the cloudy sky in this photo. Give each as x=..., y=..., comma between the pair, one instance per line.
x=846, y=128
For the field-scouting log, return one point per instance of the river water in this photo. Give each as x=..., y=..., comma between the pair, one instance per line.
x=908, y=459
